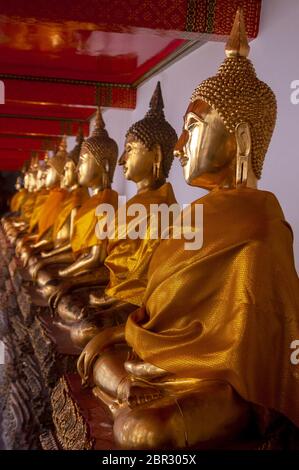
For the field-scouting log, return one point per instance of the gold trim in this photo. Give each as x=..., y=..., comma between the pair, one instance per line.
x=66, y=81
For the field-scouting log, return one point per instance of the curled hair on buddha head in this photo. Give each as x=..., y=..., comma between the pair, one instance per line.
x=59, y=159
x=74, y=154
x=101, y=146
x=239, y=96
x=154, y=129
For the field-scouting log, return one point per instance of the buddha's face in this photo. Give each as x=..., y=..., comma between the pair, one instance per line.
x=89, y=171
x=31, y=182
x=52, y=177
x=40, y=179
x=206, y=149
x=69, y=174
x=137, y=160
x=26, y=180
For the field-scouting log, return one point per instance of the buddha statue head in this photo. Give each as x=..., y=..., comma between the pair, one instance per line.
x=55, y=166
x=32, y=174
x=148, y=153
x=41, y=173
x=70, y=175
x=229, y=122
x=98, y=157
x=26, y=180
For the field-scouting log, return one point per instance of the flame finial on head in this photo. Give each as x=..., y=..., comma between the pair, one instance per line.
x=237, y=44
x=156, y=106
x=99, y=128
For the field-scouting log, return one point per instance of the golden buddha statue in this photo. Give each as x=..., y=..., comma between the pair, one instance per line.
x=16, y=203
x=51, y=208
x=29, y=235
x=42, y=195
x=19, y=197
x=64, y=223
x=201, y=364
x=146, y=160
x=82, y=251
x=17, y=225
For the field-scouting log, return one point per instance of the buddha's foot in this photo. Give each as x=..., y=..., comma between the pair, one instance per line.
x=198, y=417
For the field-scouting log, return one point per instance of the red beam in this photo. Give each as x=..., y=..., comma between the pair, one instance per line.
x=200, y=16
x=37, y=127
x=32, y=90
x=22, y=143
x=13, y=159
x=58, y=112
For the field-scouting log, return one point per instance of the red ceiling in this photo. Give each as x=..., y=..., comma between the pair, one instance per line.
x=60, y=59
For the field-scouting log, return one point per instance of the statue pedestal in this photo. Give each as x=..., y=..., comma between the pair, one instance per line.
x=36, y=356
x=81, y=421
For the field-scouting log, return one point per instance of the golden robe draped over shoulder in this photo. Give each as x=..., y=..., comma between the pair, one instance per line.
x=128, y=260
x=230, y=310
x=28, y=206
x=18, y=199
x=73, y=200
x=84, y=235
x=50, y=211
x=41, y=198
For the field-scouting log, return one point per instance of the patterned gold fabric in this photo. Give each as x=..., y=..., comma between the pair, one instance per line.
x=41, y=198
x=17, y=200
x=28, y=206
x=84, y=236
x=50, y=211
x=128, y=260
x=73, y=200
x=230, y=310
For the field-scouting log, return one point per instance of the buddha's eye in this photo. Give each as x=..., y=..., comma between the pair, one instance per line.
x=191, y=127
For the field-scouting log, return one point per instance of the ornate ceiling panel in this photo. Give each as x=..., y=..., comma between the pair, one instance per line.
x=60, y=59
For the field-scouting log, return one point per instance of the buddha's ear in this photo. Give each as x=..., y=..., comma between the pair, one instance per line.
x=158, y=153
x=105, y=173
x=243, y=139
x=105, y=164
x=158, y=169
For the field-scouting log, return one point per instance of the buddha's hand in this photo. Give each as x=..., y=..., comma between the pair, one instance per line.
x=64, y=272
x=94, y=348
x=19, y=246
x=57, y=295
x=35, y=268
x=25, y=257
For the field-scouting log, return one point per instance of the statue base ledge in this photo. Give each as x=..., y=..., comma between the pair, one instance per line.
x=81, y=421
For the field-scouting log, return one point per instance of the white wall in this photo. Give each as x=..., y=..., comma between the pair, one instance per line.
x=276, y=59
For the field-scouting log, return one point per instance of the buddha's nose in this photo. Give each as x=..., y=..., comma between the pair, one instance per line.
x=123, y=158
x=179, y=146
